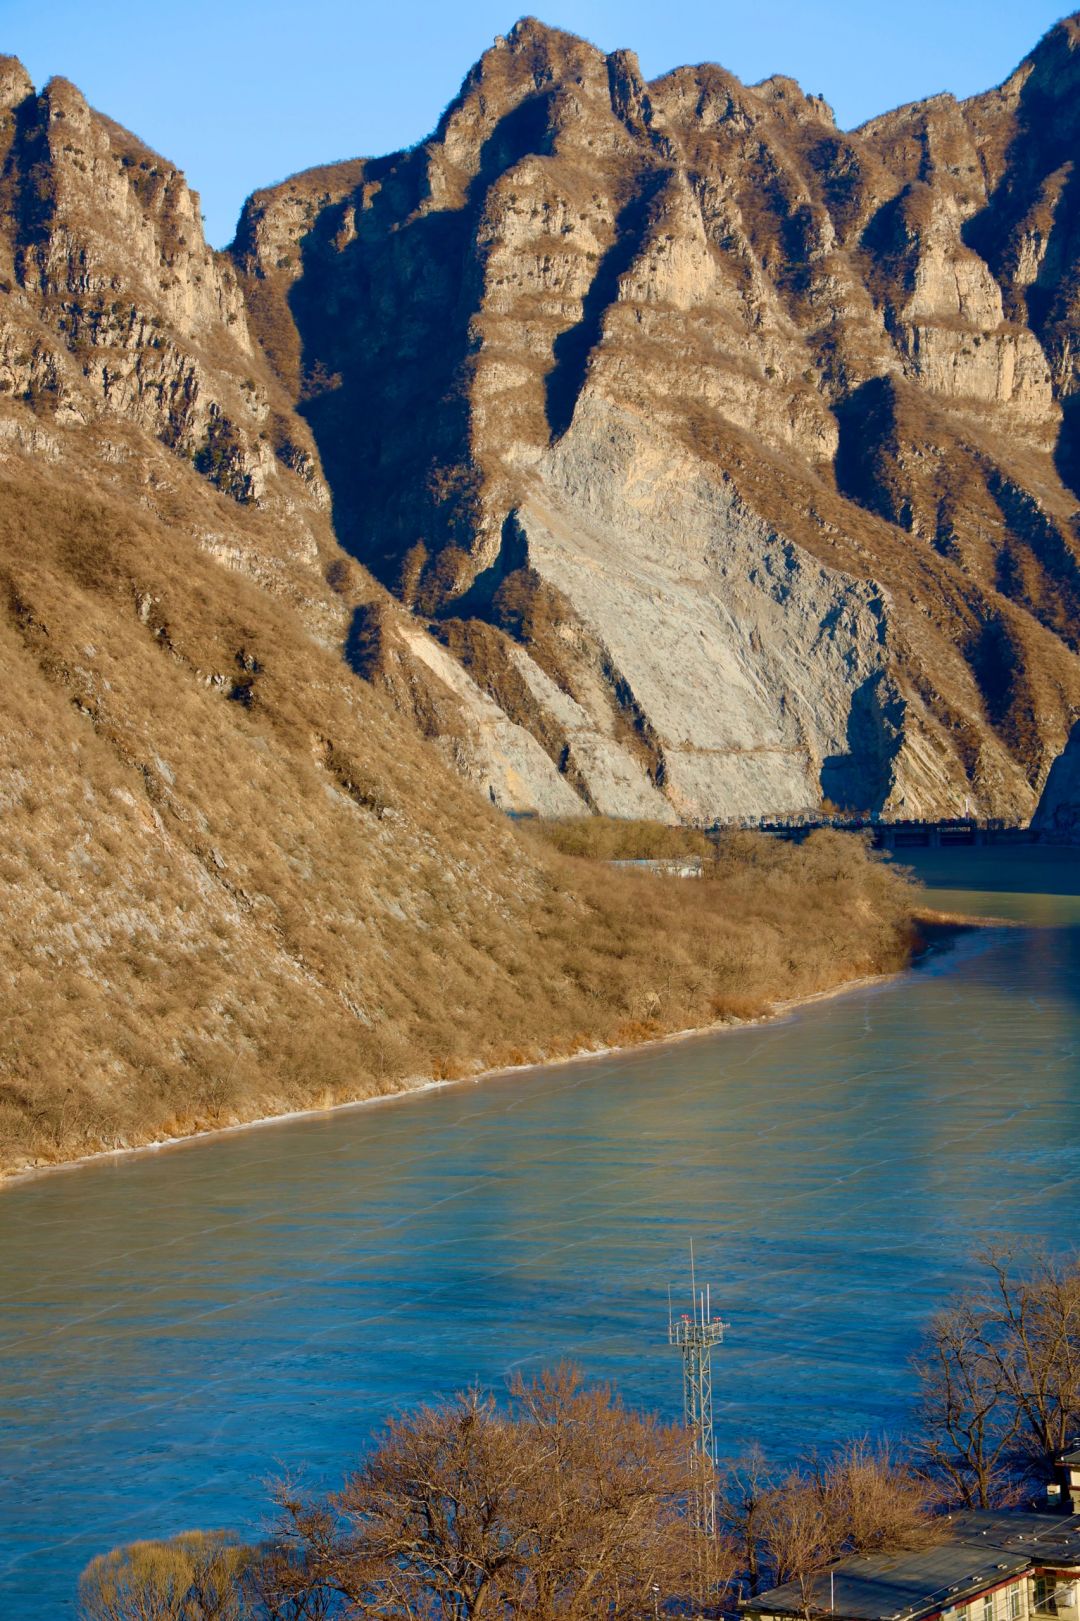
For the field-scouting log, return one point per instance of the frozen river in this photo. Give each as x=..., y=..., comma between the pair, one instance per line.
x=180, y=1326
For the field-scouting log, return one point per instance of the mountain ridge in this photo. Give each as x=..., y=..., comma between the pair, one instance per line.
x=806, y=324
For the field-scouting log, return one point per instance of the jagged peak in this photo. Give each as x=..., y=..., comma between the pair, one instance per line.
x=1041, y=91
x=780, y=90
x=322, y=185
x=123, y=141
x=627, y=60
x=629, y=92
x=65, y=98
x=530, y=31
x=1052, y=65
x=698, y=77
x=778, y=87
x=1057, y=44
x=61, y=99
x=322, y=179
x=1065, y=32
x=531, y=58
x=887, y=123
x=15, y=83
x=557, y=50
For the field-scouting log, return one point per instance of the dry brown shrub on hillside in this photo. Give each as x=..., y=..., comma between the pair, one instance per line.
x=609, y=838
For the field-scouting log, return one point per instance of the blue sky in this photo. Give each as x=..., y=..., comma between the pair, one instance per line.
x=241, y=94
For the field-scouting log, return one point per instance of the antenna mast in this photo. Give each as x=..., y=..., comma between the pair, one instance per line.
x=695, y=1334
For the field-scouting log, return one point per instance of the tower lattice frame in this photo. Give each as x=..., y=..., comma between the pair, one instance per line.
x=695, y=1334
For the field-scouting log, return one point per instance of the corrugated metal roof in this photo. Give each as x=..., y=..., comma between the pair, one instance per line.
x=980, y=1549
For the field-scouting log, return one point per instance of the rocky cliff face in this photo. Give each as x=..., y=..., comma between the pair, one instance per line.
x=719, y=461
x=696, y=459
x=1057, y=815
x=115, y=317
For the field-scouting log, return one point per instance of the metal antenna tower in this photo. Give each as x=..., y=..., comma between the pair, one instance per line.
x=695, y=1333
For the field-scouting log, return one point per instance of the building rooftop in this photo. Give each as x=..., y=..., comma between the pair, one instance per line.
x=978, y=1549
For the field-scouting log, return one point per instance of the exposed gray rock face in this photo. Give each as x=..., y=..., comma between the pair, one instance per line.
x=744, y=653
x=1058, y=812
x=503, y=759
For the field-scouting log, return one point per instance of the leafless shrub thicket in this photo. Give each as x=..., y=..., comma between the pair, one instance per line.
x=610, y=838
x=199, y=1576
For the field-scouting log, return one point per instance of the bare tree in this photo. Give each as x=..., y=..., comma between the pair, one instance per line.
x=1000, y=1380
x=876, y=1501
x=745, y=1488
x=291, y=1577
x=1035, y=1337
x=605, y=1499
x=968, y=1427
x=199, y=1576
x=798, y=1534
x=564, y=1507
x=430, y=1516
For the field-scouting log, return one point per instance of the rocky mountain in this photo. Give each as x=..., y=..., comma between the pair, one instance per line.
x=236, y=880
x=715, y=461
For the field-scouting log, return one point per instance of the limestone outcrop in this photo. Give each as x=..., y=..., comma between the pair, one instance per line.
x=695, y=459
x=115, y=312
x=730, y=455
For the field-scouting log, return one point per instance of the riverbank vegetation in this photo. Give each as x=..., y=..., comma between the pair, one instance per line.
x=560, y=1504
x=611, y=838
x=600, y=957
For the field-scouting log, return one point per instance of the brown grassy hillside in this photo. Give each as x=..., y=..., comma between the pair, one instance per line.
x=236, y=882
